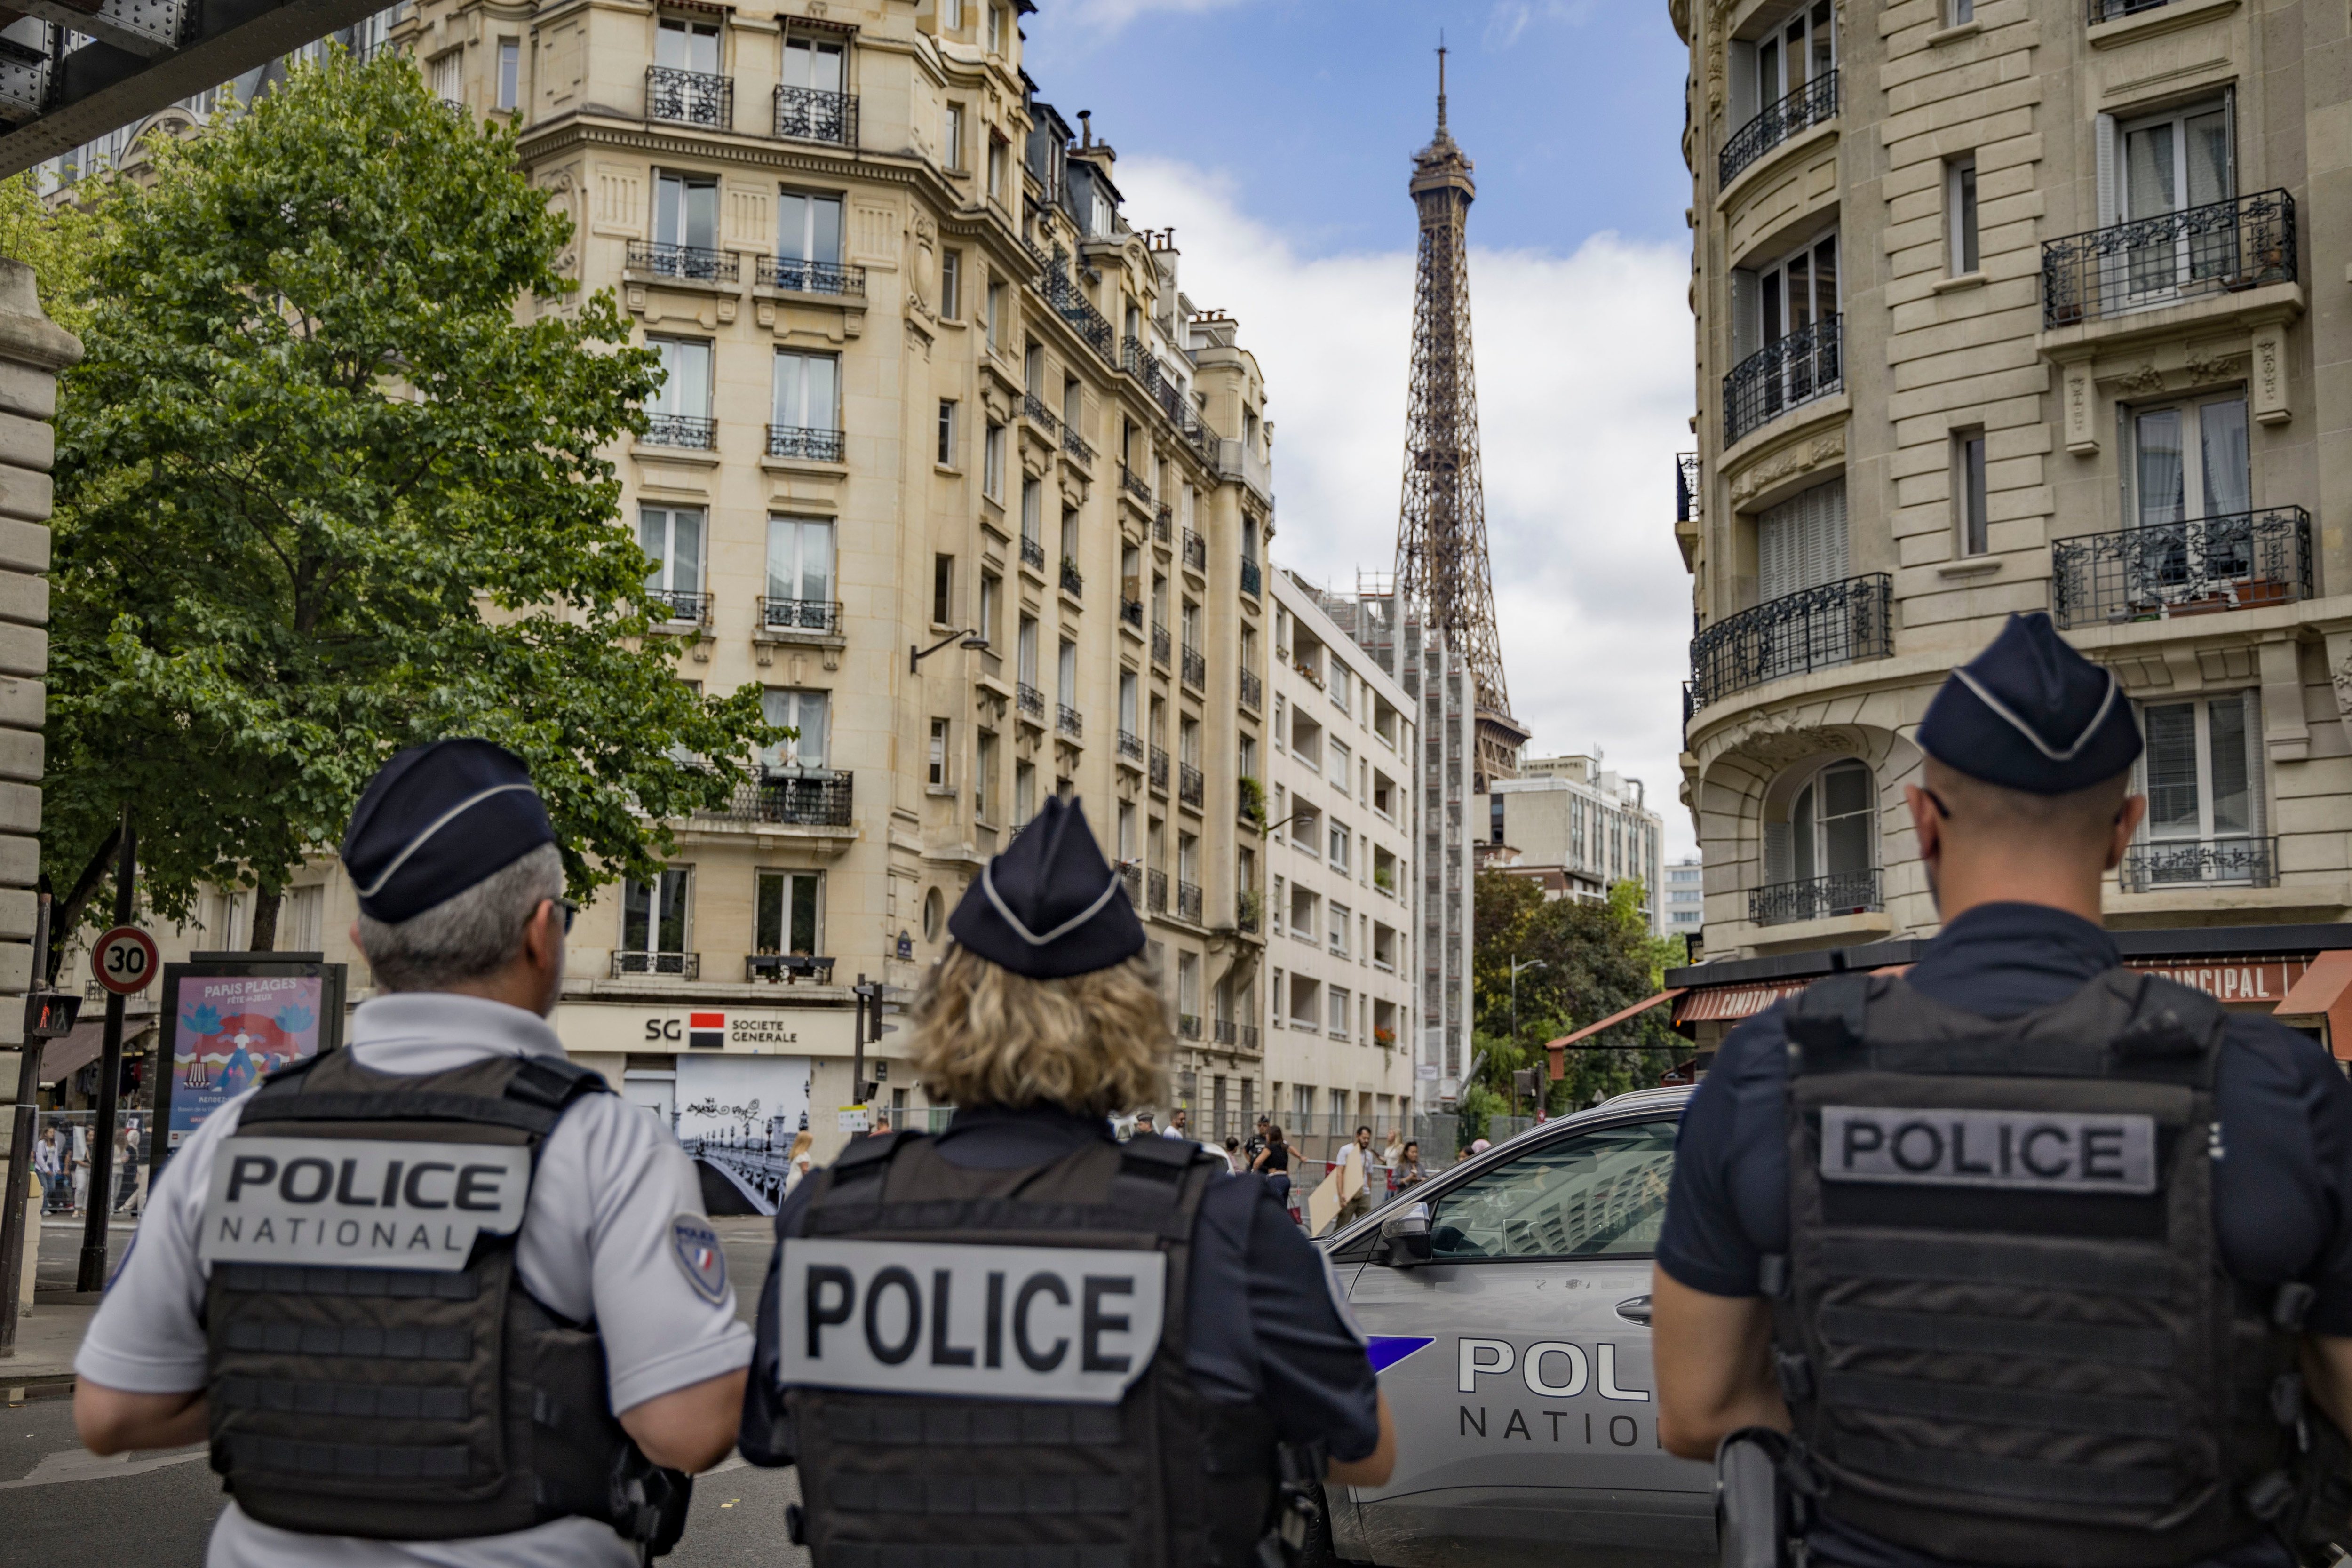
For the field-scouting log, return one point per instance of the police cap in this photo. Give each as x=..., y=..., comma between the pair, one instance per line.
x=438, y=819
x=2029, y=713
x=1050, y=906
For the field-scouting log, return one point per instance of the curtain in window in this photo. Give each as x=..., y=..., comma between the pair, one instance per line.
x=1801, y=543
x=2221, y=453
x=2159, y=473
x=805, y=710
x=805, y=395
x=800, y=560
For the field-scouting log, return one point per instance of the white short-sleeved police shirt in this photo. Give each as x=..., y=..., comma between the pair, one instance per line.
x=597, y=1244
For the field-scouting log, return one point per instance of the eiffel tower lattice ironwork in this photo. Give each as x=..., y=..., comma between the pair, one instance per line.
x=1443, y=579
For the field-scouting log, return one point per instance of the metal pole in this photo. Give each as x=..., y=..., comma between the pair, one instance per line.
x=24, y=1129
x=110, y=1088
x=857, y=1050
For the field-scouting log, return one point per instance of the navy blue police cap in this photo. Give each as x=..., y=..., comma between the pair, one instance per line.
x=438, y=819
x=1050, y=906
x=2029, y=713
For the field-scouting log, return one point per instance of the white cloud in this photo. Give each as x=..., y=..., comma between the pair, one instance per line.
x=1584, y=386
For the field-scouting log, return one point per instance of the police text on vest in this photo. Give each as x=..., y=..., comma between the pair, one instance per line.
x=360, y=1203
x=2048, y=1151
x=1071, y=1324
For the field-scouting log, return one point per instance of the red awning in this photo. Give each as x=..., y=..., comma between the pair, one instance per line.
x=2324, y=991
x=68, y=1054
x=1721, y=1004
x=1558, y=1048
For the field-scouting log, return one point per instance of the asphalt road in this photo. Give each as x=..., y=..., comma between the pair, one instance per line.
x=58, y=1504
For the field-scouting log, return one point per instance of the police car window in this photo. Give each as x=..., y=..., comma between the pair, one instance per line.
x=1600, y=1195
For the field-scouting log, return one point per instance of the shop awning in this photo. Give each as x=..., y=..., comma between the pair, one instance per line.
x=69, y=1053
x=2324, y=991
x=1558, y=1048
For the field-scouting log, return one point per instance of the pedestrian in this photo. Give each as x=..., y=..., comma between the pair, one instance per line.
x=1085, y=1444
x=1177, y=1127
x=48, y=1164
x=126, y=1179
x=797, y=1162
x=80, y=1136
x=1395, y=1150
x=1355, y=1179
x=1273, y=1162
x=1409, y=1173
x=2094, y=1305
x=1143, y=1126
x=1233, y=1155
x=528, y=1326
x=1254, y=1144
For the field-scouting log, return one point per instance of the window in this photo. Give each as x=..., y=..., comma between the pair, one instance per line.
x=681, y=45
x=800, y=572
x=1340, y=761
x=1074, y=399
x=1067, y=676
x=2174, y=160
x=951, y=285
x=1342, y=683
x=815, y=64
x=787, y=914
x=992, y=588
x=1602, y=1194
x=1961, y=213
x=806, y=396
x=1031, y=503
x=1028, y=663
x=2189, y=460
x=998, y=294
x=1802, y=51
x=1130, y=690
x=808, y=227
x=1340, y=839
x=448, y=76
x=1969, y=489
x=653, y=922
x=953, y=134
x=509, y=72
x=1827, y=833
x=804, y=711
x=1792, y=296
x=942, y=590
x=1070, y=534
x=1305, y=997
x=1957, y=12
x=686, y=210
x=937, y=775
x=2203, y=772
x=1246, y=755
x=1025, y=792
x=950, y=16
x=998, y=160
x=685, y=390
x=946, y=456
x=1341, y=1004
x=1340, y=916
x=1801, y=543
x=983, y=774
x=991, y=464
x=672, y=537
x=1188, y=984
x=1188, y=741
x=1126, y=845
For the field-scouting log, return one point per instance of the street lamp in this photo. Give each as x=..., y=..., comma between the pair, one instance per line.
x=1517, y=967
x=973, y=638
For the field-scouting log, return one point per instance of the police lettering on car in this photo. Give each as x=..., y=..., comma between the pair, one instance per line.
x=1091, y=1351
x=396, y=1245
x=1956, y=1269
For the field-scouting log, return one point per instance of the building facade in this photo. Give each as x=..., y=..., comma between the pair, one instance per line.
x=1578, y=829
x=1341, y=901
x=1685, y=903
x=946, y=464
x=2004, y=306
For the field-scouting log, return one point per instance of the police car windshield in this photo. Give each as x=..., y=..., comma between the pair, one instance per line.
x=1601, y=1193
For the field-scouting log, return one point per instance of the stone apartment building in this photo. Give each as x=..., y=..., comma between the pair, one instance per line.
x=2014, y=305
x=944, y=463
x=1577, y=828
x=1341, y=994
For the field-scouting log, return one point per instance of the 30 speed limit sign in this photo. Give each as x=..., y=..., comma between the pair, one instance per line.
x=124, y=960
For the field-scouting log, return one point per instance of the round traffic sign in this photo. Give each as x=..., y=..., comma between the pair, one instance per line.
x=124, y=960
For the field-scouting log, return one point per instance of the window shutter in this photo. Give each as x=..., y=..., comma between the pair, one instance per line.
x=2103, y=133
x=1830, y=527
x=2230, y=129
x=1775, y=548
x=1744, y=107
x=1778, y=858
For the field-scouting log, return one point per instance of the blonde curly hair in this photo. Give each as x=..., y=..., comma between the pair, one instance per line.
x=1097, y=1044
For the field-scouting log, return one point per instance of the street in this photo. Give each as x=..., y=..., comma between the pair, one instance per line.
x=60, y=1504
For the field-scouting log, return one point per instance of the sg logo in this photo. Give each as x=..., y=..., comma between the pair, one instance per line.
x=664, y=1029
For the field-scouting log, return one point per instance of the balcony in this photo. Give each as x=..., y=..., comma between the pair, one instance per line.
x=786, y=968
x=1132, y=483
x=1188, y=903
x=690, y=98
x=1196, y=669
x=805, y=114
x=1191, y=787
x=818, y=616
x=804, y=441
x=1130, y=747
x=679, y=606
x=1253, y=691
x=811, y=276
x=2153, y=867
x=1814, y=628
x=2201, y=567
x=1685, y=487
x=1160, y=643
x=2225, y=248
x=1225, y=1031
x=1158, y=770
x=1251, y=583
x=1073, y=446
x=1132, y=875
x=1132, y=612
x=1156, y=892
x=1067, y=720
x=1162, y=524
x=1249, y=1036
x=684, y=431
x=692, y=263
x=1073, y=582
x=1815, y=898
x=1032, y=702
x=1766, y=385
x=1196, y=553
x=1815, y=103
x=1034, y=409
x=1188, y=1025
x=676, y=965
x=1246, y=908
x=798, y=800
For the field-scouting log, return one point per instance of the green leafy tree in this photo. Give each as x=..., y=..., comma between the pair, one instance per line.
x=329, y=485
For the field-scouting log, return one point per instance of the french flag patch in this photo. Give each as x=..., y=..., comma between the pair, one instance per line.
x=1384, y=1351
x=705, y=1031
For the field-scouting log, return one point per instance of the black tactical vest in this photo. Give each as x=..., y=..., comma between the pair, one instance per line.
x=1165, y=1477
x=400, y=1404
x=2003, y=1328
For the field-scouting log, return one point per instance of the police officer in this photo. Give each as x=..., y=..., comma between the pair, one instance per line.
x=2035, y=1260
x=440, y=1294
x=1022, y=1341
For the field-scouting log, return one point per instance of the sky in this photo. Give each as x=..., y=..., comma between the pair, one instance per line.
x=1276, y=136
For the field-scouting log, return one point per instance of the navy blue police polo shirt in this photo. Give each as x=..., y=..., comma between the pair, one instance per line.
x=1289, y=1349
x=2282, y=1192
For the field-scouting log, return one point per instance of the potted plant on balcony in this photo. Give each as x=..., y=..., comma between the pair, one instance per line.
x=1253, y=797
x=1384, y=1036
x=1384, y=878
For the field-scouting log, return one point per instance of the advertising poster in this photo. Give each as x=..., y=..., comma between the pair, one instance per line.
x=737, y=1117
x=229, y=1021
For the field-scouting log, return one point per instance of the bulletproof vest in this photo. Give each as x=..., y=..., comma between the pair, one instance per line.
x=376, y=1368
x=2002, y=1327
x=985, y=1366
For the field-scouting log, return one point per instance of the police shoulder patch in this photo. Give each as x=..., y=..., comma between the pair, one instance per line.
x=699, y=1257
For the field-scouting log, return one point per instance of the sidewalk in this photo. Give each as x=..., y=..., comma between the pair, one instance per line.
x=46, y=1343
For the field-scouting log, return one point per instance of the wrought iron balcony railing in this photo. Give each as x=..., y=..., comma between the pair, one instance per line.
x=1159, y=770
x=1076, y=447
x=690, y=98
x=2158, y=571
x=1156, y=892
x=804, y=441
x=1225, y=1031
x=1032, y=702
x=2154, y=865
x=787, y=968
x=1796, y=370
x=799, y=614
x=1251, y=584
x=1132, y=612
x=1071, y=304
x=1249, y=1036
x=1132, y=483
x=1160, y=643
x=811, y=276
x=1814, y=628
x=1815, y=103
x=1196, y=551
x=2114, y=10
x=1685, y=487
x=1034, y=409
x=801, y=800
x=679, y=605
x=1033, y=553
x=1196, y=669
x=676, y=965
x=805, y=114
x=1191, y=788
x=1073, y=582
x=1069, y=720
x=681, y=430
x=2223, y=247
x=1132, y=875
x=694, y=263
x=1253, y=690
x=1815, y=898
x=1163, y=523
x=1130, y=746
x=1188, y=907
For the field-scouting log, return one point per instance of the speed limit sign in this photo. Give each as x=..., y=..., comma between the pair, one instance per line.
x=124, y=960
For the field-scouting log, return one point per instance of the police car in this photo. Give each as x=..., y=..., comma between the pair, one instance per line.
x=1507, y=1305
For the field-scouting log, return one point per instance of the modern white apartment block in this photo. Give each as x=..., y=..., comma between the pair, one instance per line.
x=1342, y=908
x=1685, y=903
x=1578, y=829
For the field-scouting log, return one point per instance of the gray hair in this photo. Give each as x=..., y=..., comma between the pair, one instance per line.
x=465, y=937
